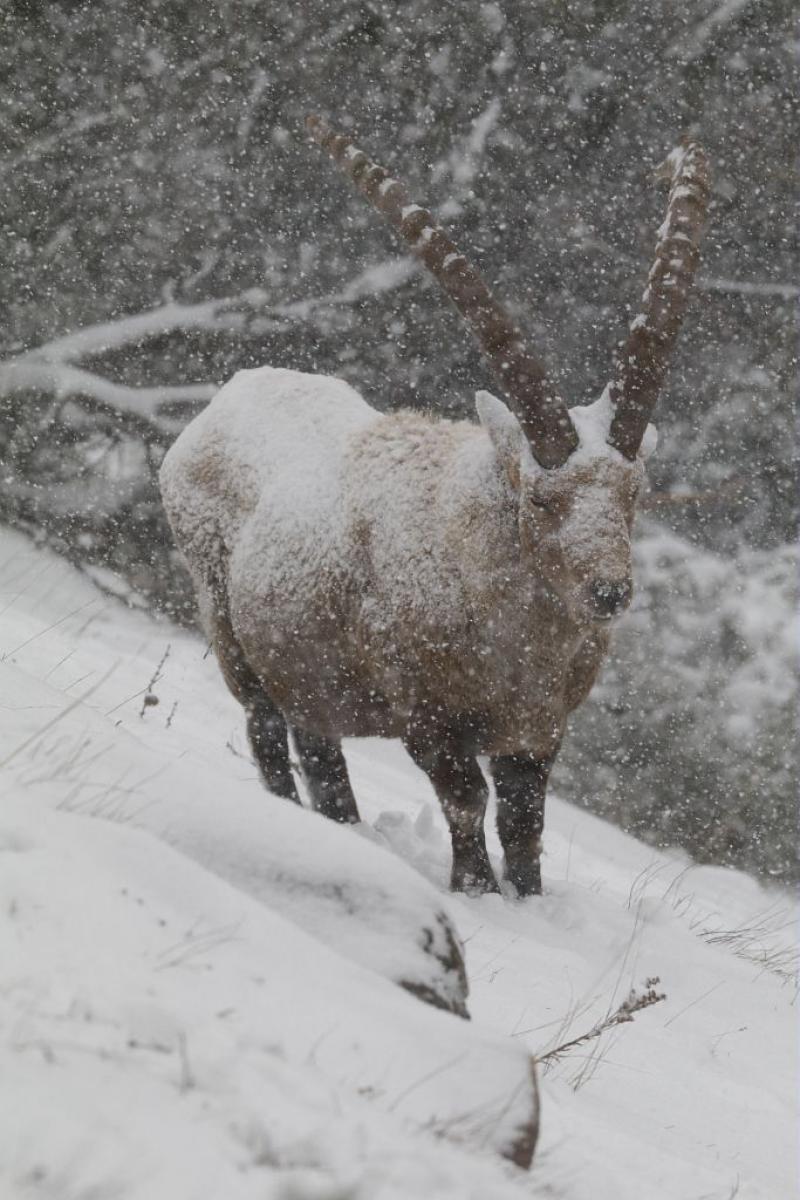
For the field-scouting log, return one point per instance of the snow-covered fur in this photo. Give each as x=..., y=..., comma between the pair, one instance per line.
x=401, y=575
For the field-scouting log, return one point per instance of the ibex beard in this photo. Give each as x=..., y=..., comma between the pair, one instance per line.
x=446, y=583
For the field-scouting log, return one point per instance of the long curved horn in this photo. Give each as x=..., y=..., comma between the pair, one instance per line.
x=542, y=413
x=644, y=356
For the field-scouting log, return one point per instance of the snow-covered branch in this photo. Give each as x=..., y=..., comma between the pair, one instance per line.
x=36, y=148
x=63, y=381
x=465, y=160
x=586, y=240
x=372, y=281
x=227, y=313
x=55, y=367
x=737, y=287
x=696, y=41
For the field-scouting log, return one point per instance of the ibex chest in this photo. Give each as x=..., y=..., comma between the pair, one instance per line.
x=524, y=689
x=511, y=687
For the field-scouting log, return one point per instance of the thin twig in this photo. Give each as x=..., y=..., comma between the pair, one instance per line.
x=150, y=698
x=635, y=1002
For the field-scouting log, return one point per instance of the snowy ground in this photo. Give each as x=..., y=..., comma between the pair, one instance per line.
x=171, y=1026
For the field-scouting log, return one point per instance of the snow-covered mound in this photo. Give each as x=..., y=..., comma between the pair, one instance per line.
x=197, y=981
x=305, y=893
x=353, y=895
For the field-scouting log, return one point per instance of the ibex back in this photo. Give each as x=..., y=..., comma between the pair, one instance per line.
x=446, y=583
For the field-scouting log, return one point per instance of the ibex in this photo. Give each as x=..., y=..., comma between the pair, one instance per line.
x=446, y=583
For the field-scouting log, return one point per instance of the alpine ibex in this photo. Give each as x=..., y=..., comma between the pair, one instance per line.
x=446, y=583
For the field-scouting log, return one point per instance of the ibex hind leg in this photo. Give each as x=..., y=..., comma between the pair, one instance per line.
x=269, y=741
x=325, y=774
x=266, y=728
x=520, y=781
x=462, y=792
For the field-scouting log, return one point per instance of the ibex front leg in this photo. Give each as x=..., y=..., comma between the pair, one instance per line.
x=520, y=781
x=462, y=793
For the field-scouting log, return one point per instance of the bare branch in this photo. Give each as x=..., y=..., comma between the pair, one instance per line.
x=542, y=413
x=644, y=356
x=697, y=41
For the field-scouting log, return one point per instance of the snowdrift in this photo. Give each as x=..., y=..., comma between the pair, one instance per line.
x=199, y=983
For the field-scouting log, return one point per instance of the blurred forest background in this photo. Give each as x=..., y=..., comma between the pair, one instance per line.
x=163, y=222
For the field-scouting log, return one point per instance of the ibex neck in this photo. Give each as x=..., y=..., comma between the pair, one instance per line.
x=444, y=557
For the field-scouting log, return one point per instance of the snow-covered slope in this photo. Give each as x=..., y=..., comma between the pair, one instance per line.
x=197, y=981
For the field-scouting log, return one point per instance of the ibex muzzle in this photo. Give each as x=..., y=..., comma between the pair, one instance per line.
x=446, y=583
x=610, y=597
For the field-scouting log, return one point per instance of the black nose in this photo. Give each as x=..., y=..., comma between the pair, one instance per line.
x=610, y=597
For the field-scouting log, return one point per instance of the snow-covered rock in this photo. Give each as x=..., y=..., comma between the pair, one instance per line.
x=353, y=895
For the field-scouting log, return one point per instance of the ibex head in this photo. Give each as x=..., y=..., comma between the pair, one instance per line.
x=575, y=474
x=575, y=520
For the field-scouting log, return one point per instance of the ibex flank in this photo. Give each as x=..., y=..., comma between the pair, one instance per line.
x=447, y=583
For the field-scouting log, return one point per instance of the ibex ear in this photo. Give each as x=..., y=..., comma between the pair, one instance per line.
x=510, y=444
x=648, y=443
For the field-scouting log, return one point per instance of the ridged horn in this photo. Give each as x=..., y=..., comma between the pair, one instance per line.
x=644, y=356
x=542, y=413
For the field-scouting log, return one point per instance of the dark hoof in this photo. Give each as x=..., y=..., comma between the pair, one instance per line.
x=473, y=878
x=525, y=878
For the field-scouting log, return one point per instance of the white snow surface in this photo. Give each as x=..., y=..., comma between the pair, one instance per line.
x=185, y=1012
x=593, y=425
